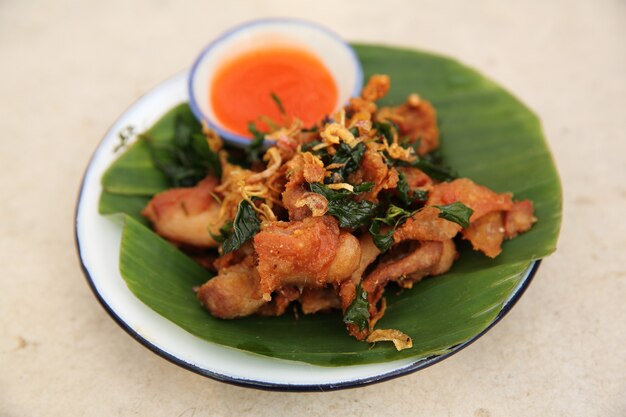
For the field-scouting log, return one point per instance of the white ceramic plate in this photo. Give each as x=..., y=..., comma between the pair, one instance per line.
x=98, y=242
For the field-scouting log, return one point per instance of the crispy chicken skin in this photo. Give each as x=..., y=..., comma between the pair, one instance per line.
x=308, y=253
x=416, y=178
x=374, y=169
x=480, y=199
x=487, y=233
x=421, y=258
x=280, y=301
x=417, y=120
x=186, y=215
x=405, y=267
x=369, y=253
x=302, y=169
x=495, y=215
x=487, y=229
x=319, y=299
x=346, y=259
x=293, y=193
x=448, y=256
x=376, y=88
x=234, y=292
x=426, y=225
x=519, y=219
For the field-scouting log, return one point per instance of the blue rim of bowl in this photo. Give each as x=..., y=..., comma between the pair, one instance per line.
x=240, y=140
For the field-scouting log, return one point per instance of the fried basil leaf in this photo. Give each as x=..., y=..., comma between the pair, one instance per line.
x=434, y=170
x=395, y=213
x=188, y=159
x=308, y=147
x=358, y=311
x=226, y=231
x=253, y=151
x=386, y=130
x=394, y=217
x=363, y=187
x=278, y=102
x=406, y=195
x=457, y=212
x=420, y=195
x=404, y=192
x=431, y=163
x=245, y=226
x=383, y=241
x=332, y=195
x=350, y=157
x=351, y=214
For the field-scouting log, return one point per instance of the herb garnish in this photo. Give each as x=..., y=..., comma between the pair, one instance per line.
x=383, y=241
x=278, y=102
x=408, y=196
x=431, y=163
x=226, y=231
x=245, y=226
x=457, y=212
x=349, y=157
x=308, y=147
x=434, y=169
x=404, y=192
x=358, y=311
x=341, y=194
x=394, y=217
x=189, y=158
x=386, y=130
x=351, y=214
x=255, y=147
x=363, y=187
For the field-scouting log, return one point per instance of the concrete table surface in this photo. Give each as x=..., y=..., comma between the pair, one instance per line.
x=69, y=68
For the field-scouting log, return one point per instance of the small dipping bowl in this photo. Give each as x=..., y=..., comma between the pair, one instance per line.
x=333, y=52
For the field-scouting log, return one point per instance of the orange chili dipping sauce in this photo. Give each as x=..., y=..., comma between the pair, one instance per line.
x=242, y=89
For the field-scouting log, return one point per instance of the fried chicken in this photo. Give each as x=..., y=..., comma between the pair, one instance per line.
x=299, y=253
x=186, y=215
x=308, y=253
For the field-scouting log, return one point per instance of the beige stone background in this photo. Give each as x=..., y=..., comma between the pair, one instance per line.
x=69, y=68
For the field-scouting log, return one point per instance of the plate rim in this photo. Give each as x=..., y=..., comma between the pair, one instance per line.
x=412, y=367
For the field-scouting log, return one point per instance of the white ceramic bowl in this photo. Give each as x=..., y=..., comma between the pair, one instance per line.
x=338, y=57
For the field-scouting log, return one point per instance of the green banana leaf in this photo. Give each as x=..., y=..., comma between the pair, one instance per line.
x=132, y=205
x=487, y=135
x=134, y=173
